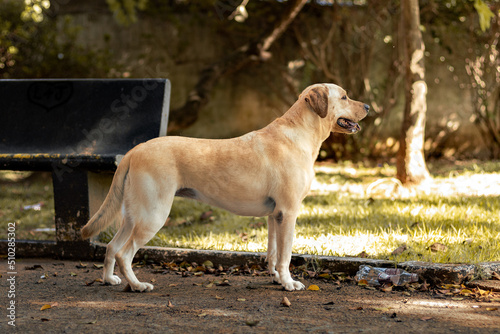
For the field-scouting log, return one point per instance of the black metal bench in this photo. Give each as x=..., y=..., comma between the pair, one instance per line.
x=78, y=130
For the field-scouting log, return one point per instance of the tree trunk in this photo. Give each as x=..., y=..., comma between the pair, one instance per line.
x=186, y=115
x=411, y=167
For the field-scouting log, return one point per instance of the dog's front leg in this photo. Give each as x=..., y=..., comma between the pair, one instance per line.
x=284, y=228
x=272, y=257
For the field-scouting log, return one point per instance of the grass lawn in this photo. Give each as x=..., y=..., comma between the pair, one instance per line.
x=351, y=210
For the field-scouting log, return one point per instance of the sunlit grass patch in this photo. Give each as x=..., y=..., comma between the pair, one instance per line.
x=459, y=209
x=27, y=200
x=469, y=227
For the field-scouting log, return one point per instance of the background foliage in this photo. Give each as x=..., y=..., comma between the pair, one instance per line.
x=356, y=44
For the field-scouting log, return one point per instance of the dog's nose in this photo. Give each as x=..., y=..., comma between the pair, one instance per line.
x=367, y=108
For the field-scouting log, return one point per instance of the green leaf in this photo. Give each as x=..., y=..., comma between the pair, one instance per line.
x=485, y=14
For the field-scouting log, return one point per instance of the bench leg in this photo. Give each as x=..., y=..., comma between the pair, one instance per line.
x=71, y=204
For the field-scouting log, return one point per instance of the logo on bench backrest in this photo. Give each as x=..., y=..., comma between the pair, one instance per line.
x=50, y=95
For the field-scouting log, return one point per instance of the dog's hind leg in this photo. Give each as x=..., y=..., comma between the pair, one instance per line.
x=113, y=247
x=147, y=219
x=139, y=238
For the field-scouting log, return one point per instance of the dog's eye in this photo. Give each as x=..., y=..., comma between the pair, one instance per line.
x=344, y=97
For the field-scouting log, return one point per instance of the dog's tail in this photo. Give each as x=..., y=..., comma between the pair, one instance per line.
x=111, y=205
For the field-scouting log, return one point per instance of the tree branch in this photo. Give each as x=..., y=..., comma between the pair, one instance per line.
x=186, y=115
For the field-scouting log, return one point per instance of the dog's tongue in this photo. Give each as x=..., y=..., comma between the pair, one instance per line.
x=348, y=124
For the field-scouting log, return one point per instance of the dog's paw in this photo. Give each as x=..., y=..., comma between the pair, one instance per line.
x=293, y=285
x=142, y=287
x=276, y=278
x=113, y=280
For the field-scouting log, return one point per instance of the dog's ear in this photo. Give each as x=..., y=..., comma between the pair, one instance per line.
x=317, y=100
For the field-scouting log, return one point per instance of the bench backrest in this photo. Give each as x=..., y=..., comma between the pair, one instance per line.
x=81, y=116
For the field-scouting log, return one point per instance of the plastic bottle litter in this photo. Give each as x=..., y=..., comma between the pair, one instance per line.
x=378, y=276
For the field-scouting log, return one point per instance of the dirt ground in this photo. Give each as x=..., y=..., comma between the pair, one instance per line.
x=53, y=296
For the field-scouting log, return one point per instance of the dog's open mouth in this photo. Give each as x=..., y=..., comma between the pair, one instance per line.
x=348, y=124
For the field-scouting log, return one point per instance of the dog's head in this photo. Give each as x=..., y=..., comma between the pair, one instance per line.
x=331, y=102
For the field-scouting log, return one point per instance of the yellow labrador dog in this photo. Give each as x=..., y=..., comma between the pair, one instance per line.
x=267, y=172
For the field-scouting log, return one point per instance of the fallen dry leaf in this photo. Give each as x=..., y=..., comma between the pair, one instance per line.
x=45, y=307
x=285, y=302
x=496, y=276
x=36, y=266
x=219, y=298
x=491, y=308
x=241, y=299
x=359, y=308
x=199, y=269
x=425, y=286
x=399, y=250
x=362, y=282
x=207, y=215
x=81, y=265
x=363, y=255
x=451, y=286
x=169, y=304
x=208, y=264
x=223, y=283
x=438, y=247
x=252, y=323
x=482, y=292
x=313, y=287
x=442, y=291
x=465, y=292
x=382, y=309
x=387, y=288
